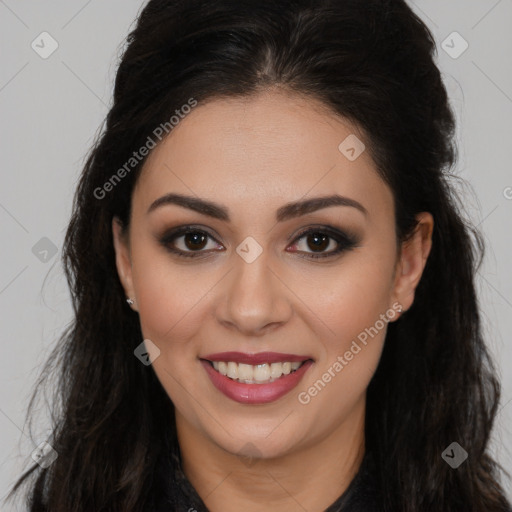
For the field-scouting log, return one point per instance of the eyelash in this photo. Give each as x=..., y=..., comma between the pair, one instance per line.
x=345, y=241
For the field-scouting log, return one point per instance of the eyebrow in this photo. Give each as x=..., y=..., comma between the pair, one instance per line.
x=286, y=212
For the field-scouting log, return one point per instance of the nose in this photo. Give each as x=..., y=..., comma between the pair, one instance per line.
x=255, y=300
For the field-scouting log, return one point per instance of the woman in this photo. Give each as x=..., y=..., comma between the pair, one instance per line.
x=273, y=286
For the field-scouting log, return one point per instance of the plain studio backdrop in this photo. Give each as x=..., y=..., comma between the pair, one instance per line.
x=58, y=65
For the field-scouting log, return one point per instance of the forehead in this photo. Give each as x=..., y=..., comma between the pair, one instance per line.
x=262, y=151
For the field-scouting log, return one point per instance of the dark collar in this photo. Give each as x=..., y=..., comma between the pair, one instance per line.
x=178, y=494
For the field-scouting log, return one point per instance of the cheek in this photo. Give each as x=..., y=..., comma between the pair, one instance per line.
x=352, y=296
x=356, y=308
x=169, y=296
x=350, y=356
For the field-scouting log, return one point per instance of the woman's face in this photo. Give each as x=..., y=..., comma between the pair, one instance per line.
x=248, y=278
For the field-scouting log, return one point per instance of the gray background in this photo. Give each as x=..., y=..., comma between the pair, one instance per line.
x=52, y=108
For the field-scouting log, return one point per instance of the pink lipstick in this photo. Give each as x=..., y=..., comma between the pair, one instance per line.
x=255, y=378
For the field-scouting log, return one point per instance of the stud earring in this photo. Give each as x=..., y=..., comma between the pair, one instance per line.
x=130, y=301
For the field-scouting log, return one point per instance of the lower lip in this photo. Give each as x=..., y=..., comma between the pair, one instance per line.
x=255, y=393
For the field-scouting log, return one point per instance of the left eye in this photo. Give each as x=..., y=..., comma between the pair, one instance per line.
x=318, y=241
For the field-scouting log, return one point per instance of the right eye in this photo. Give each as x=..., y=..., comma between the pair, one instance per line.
x=186, y=241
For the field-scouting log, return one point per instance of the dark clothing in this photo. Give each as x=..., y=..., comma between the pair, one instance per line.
x=178, y=495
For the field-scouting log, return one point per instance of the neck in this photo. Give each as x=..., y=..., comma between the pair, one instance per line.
x=311, y=477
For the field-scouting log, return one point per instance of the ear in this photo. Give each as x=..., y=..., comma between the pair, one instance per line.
x=123, y=259
x=413, y=258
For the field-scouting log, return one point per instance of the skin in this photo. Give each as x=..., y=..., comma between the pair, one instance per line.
x=253, y=155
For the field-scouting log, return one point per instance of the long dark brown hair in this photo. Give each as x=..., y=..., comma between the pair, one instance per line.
x=371, y=62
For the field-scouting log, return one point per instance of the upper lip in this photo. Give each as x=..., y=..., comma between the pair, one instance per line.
x=255, y=359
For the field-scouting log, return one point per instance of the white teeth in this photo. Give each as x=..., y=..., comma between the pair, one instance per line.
x=245, y=371
x=223, y=368
x=251, y=374
x=232, y=370
x=262, y=372
x=276, y=370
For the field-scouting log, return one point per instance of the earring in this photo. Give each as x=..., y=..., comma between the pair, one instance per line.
x=130, y=301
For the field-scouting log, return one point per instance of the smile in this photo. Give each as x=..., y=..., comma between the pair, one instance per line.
x=255, y=378
x=255, y=374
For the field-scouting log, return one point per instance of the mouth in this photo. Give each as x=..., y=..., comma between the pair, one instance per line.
x=255, y=378
x=255, y=374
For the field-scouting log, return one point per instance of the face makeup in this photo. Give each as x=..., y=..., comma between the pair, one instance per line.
x=255, y=378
